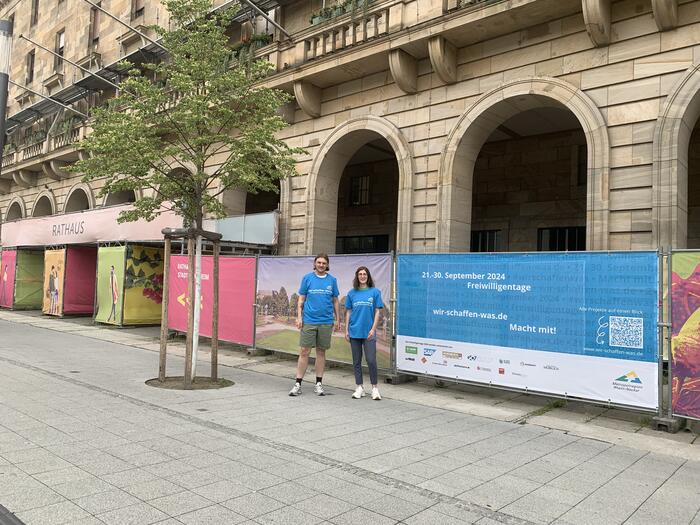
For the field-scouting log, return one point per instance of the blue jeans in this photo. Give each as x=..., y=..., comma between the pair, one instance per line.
x=370, y=349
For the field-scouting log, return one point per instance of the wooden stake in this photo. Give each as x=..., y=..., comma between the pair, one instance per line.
x=190, y=313
x=215, y=318
x=164, y=312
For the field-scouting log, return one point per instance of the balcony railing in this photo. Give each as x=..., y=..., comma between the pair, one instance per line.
x=65, y=139
x=33, y=150
x=347, y=31
x=9, y=159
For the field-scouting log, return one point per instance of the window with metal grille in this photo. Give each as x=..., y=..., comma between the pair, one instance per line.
x=484, y=241
x=561, y=239
x=362, y=244
x=359, y=190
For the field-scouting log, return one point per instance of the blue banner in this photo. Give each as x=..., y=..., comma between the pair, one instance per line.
x=601, y=304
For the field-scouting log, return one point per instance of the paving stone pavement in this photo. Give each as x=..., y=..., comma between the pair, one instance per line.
x=83, y=440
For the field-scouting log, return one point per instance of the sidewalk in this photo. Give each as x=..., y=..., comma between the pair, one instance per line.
x=83, y=440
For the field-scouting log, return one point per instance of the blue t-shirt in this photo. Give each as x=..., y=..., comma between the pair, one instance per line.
x=363, y=302
x=319, y=293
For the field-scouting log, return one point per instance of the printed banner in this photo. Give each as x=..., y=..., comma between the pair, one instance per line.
x=29, y=279
x=79, y=281
x=7, y=278
x=236, y=297
x=579, y=324
x=685, y=342
x=110, y=284
x=278, y=287
x=143, y=285
x=54, y=266
x=86, y=227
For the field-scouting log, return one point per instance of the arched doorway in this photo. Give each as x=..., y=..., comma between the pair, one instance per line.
x=120, y=197
x=365, y=163
x=77, y=201
x=518, y=104
x=14, y=212
x=43, y=206
x=676, y=168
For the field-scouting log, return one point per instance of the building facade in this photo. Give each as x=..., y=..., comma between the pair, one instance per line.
x=511, y=125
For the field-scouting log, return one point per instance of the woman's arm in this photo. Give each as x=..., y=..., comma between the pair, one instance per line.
x=373, y=330
x=347, y=323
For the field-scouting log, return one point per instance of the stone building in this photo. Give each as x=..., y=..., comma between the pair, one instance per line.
x=454, y=125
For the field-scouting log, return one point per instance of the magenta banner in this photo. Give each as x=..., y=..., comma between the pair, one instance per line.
x=7, y=278
x=79, y=280
x=236, y=297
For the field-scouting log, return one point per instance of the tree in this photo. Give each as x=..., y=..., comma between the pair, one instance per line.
x=205, y=126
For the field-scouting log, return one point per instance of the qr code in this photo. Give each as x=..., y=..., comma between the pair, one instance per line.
x=627, y=332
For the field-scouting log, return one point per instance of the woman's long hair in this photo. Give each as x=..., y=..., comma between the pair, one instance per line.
x=356, y=280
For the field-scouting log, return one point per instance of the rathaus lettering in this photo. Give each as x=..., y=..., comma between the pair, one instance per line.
x=68, y=228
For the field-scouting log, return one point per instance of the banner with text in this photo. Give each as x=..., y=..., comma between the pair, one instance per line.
x=576, y=324
x=278, y=287
x=685, y=342
x=236, y=297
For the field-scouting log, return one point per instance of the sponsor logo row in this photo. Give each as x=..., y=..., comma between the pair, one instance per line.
x=448, y=356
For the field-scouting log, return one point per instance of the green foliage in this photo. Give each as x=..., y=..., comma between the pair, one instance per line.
x=204, y=125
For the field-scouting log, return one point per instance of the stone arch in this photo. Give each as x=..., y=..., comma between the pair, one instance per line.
x=674, y=127
x=16, y=210
x=44, y=204
x=474, y=127
x=326, y=171
x=121, y=197
x=79, y=198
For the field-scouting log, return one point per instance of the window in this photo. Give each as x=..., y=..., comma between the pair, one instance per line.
x=571, y=238
x=582, y=165
x=362, y=244
x=59, y=48
x=484, y=241
x=137, y=8
x=359, y=190
x=94, y=35
x=30, y=66
x=35, y=13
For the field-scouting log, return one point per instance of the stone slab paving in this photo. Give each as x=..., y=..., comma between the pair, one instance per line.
x=84, y=440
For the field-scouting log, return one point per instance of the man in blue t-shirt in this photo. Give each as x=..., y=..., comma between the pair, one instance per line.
x=317, y=312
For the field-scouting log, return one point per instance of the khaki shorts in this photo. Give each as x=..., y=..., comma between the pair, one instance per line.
x=316, y=336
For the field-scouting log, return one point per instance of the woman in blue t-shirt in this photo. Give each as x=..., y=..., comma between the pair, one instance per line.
x=361, y=318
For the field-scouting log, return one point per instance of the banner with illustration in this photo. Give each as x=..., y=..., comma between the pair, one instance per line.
x=29, y=279
x=79, y=281
x=236, y=297
x=277, y=296
x=111, y=261
x=577, y=324
x=54, y=266
x=685, y=341
x=7, y=278
x=143, y=285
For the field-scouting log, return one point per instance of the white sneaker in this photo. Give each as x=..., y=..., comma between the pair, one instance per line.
x=375, y=394
x=359, y=392
x=318, y=390
x=296, y=390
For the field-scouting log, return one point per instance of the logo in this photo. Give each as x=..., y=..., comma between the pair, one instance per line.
x=523, y=363
x=471, y=357
x=550, y=367
x=519, y=374
x=502, y=371
x=462, y=366
x=451, y=355
x=429, y=351
x=411, y=350
x=504, y=361
x=630, y=382
x=483, y=369
x=423, y=360
x=409, y=358
x=329, y=287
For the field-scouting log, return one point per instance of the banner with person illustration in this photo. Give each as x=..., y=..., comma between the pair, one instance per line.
x=7, y=278
x=277, y=297
x=577, y=324
x=685, y=337
x=111, y=262
x=54, y=266
x=236, y=297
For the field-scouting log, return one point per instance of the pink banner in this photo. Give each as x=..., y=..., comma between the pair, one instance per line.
x=7, y=277
x=79, y=280
x=236, y=297
x=90, y=226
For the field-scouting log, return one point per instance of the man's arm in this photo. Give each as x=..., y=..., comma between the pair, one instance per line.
x=300, y=310
x=336, y=309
